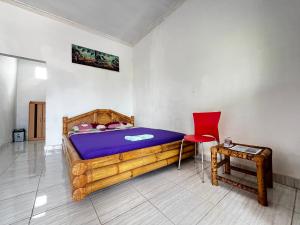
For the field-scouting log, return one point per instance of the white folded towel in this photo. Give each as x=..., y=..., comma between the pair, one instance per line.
x=139, y=137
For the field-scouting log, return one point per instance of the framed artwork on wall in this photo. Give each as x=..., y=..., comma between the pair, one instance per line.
x=90, y=57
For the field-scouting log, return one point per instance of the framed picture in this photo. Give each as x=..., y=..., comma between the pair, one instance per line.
x=89, y=57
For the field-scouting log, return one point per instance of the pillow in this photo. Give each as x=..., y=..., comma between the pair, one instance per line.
x=118, y=125
x=75, y=128
x=125, y=125
x=113, y=125
x=82, y=127
x=101, y=127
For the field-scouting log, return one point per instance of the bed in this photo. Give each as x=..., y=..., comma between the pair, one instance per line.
x=98, y=160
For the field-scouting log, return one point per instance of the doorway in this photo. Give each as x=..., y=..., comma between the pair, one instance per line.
x=23, y=83
x=31, y=98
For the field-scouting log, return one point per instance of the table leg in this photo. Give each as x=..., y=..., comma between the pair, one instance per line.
x=261, y=186
x=270, y=172
x=214, y=166
x=227, y=165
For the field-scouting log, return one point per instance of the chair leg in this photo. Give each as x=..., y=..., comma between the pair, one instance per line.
x=202, y=162
x=195, y=157
x=180, y=154
x=196, y=150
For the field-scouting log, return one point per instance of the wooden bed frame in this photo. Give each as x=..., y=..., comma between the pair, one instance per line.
x=87, y=176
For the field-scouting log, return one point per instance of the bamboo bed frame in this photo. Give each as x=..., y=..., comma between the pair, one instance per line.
x=87, y=176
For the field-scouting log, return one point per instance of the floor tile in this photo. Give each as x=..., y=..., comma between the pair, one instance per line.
x=144, y=214
x=280, y=194
x=217, y=217
x=22, y=169
x=28, y=147
x=53, y=175
x=152, y=183
x=296, y=219
x=30, y=151
x=177, y=176
x=240, y=207
x=181, y=206
x=297, y=183
x=75, y=213
x=193, y=165
x=28, y=165
x=56, y=158
x=164, y=196
x=18, y=187
x=22, y=222
x=297, y=204
x=52, y=197
x=30, y=156
x=52, y=152
x=116, y=200
x=17, y=208
x=6, y=159
x=274, y=214
x=206, y=190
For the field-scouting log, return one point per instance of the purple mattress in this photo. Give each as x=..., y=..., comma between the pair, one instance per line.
x=94, y=145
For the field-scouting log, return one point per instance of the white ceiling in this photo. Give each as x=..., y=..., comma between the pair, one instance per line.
x=125, y=20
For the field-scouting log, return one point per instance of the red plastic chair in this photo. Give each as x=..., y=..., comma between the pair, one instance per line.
x=206, y=130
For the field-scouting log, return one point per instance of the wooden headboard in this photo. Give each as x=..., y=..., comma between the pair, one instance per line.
x=101, y=116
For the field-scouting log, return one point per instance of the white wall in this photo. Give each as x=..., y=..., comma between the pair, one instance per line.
x=238, y=56
x=71, y=88
x=29, y=88
x=8, y=71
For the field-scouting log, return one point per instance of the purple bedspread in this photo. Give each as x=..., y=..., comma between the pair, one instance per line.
x=93, y=145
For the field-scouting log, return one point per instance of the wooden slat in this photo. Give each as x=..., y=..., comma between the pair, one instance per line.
x=135, y=163
x=237, y=184
x=94, y=164
x=81, y=193
x=97, y=185
x=167, y=154
x=221, y=163
x=103, y=172
x=243, y=170
x=175, y=158
x=138, y=153
x=148, y=168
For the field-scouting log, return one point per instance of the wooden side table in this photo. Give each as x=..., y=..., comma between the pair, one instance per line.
x=263, y=172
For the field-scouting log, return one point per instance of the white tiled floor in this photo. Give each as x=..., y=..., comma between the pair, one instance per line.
x=297, y=206
x=35, y=190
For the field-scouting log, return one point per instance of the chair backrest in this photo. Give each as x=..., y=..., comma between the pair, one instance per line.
x=206, y=123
